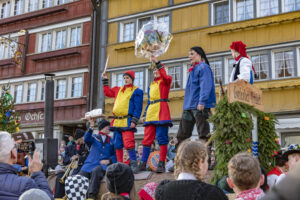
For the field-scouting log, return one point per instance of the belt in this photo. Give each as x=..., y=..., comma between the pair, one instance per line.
x=117, y=117
x=159, y=100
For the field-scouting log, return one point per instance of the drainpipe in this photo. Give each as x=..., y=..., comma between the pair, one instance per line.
x=103, y=45
x=95, y=48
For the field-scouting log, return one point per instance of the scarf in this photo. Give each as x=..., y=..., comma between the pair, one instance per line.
x=192, y=67
x=252, y=194
x=126, y=86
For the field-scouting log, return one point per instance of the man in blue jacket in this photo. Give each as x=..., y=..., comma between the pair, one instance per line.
x=101, y=155
x=11, y=185
x=199, y=97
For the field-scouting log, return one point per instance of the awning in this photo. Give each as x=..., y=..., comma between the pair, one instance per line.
x=289, y=123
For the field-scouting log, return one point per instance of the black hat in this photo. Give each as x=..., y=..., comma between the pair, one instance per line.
x=78, y=133
x=293, y=148
x=103, y=123
x=119, y=178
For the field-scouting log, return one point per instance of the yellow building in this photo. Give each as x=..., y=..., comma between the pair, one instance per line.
x=270, y=28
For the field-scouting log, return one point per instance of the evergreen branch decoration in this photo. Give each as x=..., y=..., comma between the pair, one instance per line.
x=9, y=119
x=233, y=126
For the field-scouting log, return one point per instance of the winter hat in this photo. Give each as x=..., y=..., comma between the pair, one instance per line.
x=78, y=134
x=148, y=191
x=76, y=187
x=240, y=47
x=33, y=194
x=119, y=178
x=130, y=73
x=102, y=124
x=293, y=148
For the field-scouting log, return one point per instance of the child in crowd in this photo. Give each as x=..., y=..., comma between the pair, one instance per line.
x=120, y=183
x=292, y=156
x=245, y=177
x=280, y=167
x=190, y=168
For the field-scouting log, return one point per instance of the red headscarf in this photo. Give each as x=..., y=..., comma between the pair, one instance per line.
x=240, y=47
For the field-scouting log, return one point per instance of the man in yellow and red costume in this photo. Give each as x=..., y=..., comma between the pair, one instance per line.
x=157, y=119
x=127, y=111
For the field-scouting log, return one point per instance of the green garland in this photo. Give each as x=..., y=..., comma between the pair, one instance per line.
x=10, y=122
x=233, y=126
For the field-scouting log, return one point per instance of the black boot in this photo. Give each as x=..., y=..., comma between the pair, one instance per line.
x=134, y=166
x=161, y=167
x=142, y=166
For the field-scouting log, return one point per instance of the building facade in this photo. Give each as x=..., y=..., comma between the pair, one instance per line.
x=270, y=28
x=58, y=41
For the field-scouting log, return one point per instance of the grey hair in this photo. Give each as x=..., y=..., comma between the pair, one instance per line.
x=6, y=145
x=33, y=194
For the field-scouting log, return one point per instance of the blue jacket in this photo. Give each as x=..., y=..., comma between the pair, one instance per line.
x=200, y=88
x=100, y=150
x=13, y=186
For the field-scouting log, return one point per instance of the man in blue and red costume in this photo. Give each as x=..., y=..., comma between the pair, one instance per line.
x=127, y=111
x=101, y=155
x=157, y=117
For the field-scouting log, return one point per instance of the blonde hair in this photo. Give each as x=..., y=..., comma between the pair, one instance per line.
x=188, y=156
x=112, y=196
x=244, y=171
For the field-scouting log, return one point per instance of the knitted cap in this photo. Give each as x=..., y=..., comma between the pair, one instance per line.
x=119, y=178
x=102, y=124
x=34, y=194
x=240, y=47
x=78, y=134
x=148, y=191
x=130, y=73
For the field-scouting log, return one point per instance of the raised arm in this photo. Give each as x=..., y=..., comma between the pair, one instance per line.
x=163, y=74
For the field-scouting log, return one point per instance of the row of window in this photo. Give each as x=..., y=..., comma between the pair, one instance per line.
x=268, y=65
x=226, y=11
x=48, y=41
x=129, y=29
x=18, y=7
x=59, y=39
x=70, y=87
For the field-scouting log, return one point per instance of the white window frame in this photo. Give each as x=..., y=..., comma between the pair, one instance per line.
x=28, y=5
x=298, y=60
x=66, y=88
x=143, y=71
x=6, y=50
x=180, y=65
x=273, y=63
x=213, y=11
x=22, y=10
x=283, y=7
x=28, y=91
x=138, y=20
x=122, y=24
x=55, y=37
x=235, y=13
x=227, y=72
x=69, y=35
x=71, y=85
x=217, y=59
x=7, y=10
x=185, y=73
x=269, y=72
x=258, y=9
x=22, y=91
x=155, y=17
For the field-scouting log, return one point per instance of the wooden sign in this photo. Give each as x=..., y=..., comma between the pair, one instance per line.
x=244, y=92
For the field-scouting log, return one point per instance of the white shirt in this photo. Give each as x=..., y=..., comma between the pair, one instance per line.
x=103, y=138
x=280, y=178
x=186, y=176
x=245, y=70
